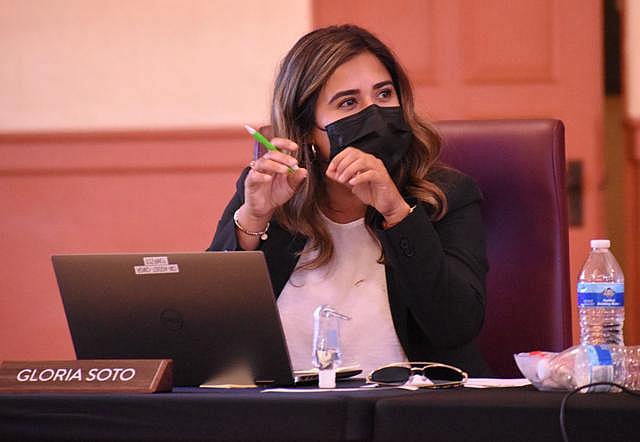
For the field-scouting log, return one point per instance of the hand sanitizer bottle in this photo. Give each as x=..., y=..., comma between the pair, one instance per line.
x=326, y=344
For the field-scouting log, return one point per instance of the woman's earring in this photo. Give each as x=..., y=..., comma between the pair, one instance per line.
x=314, y=152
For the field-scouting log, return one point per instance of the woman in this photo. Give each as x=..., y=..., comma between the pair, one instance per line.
x=354, y=212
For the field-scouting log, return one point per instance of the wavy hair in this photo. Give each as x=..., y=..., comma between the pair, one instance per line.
x=302, y=74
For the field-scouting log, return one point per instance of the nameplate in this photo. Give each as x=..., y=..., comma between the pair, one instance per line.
x=87, y=376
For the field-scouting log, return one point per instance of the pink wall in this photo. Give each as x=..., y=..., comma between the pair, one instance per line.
x=120, y=131
x=106, y=64
x=100, y=193
x=630, y=17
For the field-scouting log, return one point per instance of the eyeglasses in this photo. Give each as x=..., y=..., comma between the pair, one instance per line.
x=441, y=375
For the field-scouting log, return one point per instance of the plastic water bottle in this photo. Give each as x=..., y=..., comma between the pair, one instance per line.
x=585, y=364
x=601, y=297
x=326, y=344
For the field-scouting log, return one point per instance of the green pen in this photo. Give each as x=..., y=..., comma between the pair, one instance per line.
x=266, y=143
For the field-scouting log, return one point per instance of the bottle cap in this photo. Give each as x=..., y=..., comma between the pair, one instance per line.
x=600, y=243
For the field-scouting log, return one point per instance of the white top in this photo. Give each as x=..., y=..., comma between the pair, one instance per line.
x=354, y=284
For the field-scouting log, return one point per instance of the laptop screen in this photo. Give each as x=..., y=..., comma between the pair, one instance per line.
x=213, y=313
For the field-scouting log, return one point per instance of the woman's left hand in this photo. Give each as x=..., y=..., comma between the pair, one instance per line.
x=369, y=180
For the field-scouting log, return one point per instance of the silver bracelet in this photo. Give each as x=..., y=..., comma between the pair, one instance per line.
x=385, y=225
x=262, y=234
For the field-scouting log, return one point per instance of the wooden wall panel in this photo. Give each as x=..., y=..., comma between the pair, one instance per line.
x=632, y=227
x=499, y=51
x=100, y=193
x=414, y=42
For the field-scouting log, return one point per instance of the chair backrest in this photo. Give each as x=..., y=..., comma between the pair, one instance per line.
x=520, y=168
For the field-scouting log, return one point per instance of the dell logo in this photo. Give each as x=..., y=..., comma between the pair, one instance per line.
x=172, y=319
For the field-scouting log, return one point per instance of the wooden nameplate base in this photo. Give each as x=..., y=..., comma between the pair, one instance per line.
x=87, y=376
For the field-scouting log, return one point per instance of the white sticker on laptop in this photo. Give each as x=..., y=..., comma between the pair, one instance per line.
x=154, y=265
x=155, y=260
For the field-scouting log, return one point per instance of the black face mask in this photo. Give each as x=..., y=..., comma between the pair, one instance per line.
x=380, y=131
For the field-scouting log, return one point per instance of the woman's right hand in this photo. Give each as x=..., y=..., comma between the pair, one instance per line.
x=269, y=184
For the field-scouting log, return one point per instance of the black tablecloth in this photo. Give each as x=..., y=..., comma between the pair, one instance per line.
x=514, y=414
x=192, y=414
x=521, y=414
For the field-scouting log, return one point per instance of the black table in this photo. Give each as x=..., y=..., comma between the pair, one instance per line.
x=511, y=414
x=521, y=414
x=192, y=414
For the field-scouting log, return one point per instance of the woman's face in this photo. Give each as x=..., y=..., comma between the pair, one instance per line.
x=355, y=85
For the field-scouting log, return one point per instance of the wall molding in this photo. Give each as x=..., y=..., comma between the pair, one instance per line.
x=119, y=134
x=130, y=151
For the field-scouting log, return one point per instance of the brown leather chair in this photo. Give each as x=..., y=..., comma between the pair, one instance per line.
x=520, y=168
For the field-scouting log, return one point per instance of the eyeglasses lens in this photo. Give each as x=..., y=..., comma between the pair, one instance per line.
x=442, y=375
x=391, y=375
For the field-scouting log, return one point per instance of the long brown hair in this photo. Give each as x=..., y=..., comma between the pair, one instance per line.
x=304, y=71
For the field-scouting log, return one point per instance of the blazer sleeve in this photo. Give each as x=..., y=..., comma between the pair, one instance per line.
x=281, y=249
x=438, y=269
x=225, y=236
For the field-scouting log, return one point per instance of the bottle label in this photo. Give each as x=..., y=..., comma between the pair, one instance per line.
x=601, y=367
x=607, y=294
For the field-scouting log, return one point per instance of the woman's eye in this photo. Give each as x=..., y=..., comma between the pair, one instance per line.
x=385, y=93
x=347, y=102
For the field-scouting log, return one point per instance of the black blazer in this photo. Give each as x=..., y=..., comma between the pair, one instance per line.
x=435, y=271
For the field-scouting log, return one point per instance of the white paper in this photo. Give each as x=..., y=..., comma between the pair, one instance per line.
x=324, y=390
x=228, y=386
x=496, y=383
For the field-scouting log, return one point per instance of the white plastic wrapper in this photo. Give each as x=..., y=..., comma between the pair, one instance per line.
x=533, y=365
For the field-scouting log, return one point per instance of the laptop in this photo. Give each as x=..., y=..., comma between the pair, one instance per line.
x=213, y=313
